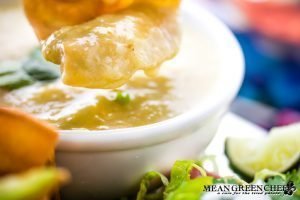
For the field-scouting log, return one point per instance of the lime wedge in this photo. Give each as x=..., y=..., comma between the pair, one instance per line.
x=279, y=152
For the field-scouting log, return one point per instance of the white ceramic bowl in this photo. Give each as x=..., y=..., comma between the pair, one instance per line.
x=108, y=164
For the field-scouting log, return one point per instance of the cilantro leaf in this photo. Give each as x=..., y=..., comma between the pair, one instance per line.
x=122, y=98
x=12, y=76
x=40, y=69
x=294, y=176
x=17, y=74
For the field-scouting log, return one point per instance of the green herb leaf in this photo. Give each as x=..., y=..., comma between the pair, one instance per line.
x=15, y=80
x=15, y=74
x=12, y=76
x=146, y=184
x=9, y=67
x=40, y=69
x=180, y=173
x=122, y=98
x=279, y=180
x=294, y=176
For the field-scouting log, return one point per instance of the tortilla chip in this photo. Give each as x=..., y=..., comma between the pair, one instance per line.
x=25, y=142
x=47, y=16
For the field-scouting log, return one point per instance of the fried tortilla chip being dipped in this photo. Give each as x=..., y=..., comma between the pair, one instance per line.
x=26, y=147
x=47, y=16
x=106, y=52
x=24, y=142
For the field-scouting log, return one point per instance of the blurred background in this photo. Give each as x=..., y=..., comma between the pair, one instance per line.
x=269, y=34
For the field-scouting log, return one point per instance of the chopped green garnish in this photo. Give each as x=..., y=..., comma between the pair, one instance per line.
x=40, y=69
x=15, y=80
x=12, y=76
x=179, y=173
x=180, y=184
x=122, y=98
x=17, y=74
x=284, y=179
x=9, y=67
x=294, y=176
x=146, y=184
x=180, y=181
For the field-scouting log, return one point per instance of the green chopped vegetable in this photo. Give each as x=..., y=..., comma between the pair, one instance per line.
x=15, y=80
x=282, y=179
x=9, y=67
x=35, y=184
x=277, y=180
x=295, y=177
x=40, y=69
x=12, y=75
x=180, y=181
x=122, y=98
x=179, y=174
x=146, y=184
x=17, y=74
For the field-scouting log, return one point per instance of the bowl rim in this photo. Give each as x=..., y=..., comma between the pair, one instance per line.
x=187, y=122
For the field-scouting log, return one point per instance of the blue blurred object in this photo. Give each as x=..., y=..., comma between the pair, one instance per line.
x=270, y=94
x=272, y=76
